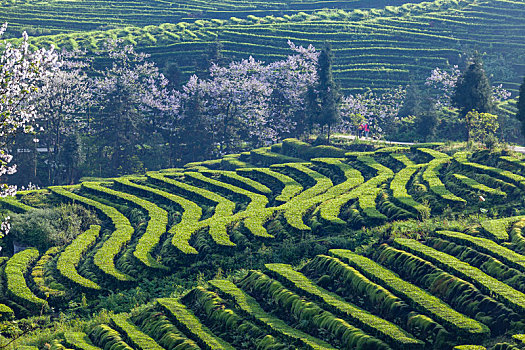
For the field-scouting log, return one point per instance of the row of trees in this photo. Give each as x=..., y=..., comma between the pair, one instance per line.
x=116, y=113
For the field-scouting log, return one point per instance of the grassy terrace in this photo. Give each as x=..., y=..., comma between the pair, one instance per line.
x=378, y=48
x=413, y=296
x=72, y=16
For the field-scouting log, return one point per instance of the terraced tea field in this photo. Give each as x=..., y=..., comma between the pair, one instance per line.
x=377, y=48
x=74, y=16
x=447, y=289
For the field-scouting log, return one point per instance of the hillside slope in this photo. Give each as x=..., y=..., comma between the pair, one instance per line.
x=66, y=16
x=378, y=48
x=458, y=284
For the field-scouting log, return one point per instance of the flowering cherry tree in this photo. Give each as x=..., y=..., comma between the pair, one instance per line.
x=62, y=101
x=132, y=96
x=444, y=82
x=248, y=101
x=290, y=80
x=500, y=94
x=236, y=101
x=21, y=73
x=379, y=110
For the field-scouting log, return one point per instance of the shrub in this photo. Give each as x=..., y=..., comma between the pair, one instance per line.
x=45, y=228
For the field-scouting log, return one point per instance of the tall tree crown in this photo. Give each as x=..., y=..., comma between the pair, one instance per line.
x=329, y=95
x=520, y=114
x=473, y=90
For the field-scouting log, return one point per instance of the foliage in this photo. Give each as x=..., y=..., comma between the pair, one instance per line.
x=45, y=228
x=16, y=284
x=328, y=92
x=249, y=305
x=104, y=257
x=417, y=297
x=367, y=321
x=473, y=90
x=504, y=293
x=131, y=94
x=444, y=81
x=520, y=114
x=62, y=101
x=427, y=121
x=247, y=101
x=380, y=111
x=69, y=260
x=20, y=76
x=482, y=126
x=203, y=220
x=187, y=321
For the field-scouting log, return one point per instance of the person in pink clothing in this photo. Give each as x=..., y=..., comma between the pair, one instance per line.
x=366, y=129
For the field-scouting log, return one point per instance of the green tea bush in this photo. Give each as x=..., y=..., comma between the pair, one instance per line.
x=45, y=228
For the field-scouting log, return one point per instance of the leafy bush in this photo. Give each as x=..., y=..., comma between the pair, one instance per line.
x=45, y=228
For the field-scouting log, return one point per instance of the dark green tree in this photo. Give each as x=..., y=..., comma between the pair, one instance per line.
x=131, y=99
x=212, y=55
x=329, y=96
x=412, y=104
x=173, y=73
x=473, y=90
x=71, y=157
x=426, y=120
x=195, y=137
x=118, y=128
x=520, y=114
x=312, y=109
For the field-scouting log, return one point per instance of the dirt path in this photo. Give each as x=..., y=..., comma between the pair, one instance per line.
x=520, y=149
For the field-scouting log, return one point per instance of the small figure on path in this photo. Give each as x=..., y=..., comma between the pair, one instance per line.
x=360, y=129
x=366, y=129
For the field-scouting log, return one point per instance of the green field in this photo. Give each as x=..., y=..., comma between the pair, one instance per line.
x=320, y=243
x=377, y=48
x=455, y=285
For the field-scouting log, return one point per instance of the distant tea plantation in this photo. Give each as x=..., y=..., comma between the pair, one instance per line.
x=293, y=246
x=377, y=44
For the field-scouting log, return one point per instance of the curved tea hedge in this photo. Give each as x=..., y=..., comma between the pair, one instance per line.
x=104, y=258
x=415, y=296
x=70, y=258
x=313, y=308
x=360, y=189
x=16, y=284
x=157, y=224
x=369, y=322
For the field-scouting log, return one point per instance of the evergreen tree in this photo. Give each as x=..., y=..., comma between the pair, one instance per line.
x=520, y=114
x=131, y=98
x=473, y=90
x=312, y=108
x=427, y=120
x=173, y=73
x=195, y=134
x=329, y=96
x=412, y=104
x=212, y=55
x=118, y=126
x=71, y=157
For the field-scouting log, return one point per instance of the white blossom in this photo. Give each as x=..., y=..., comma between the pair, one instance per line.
x=21, y=75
